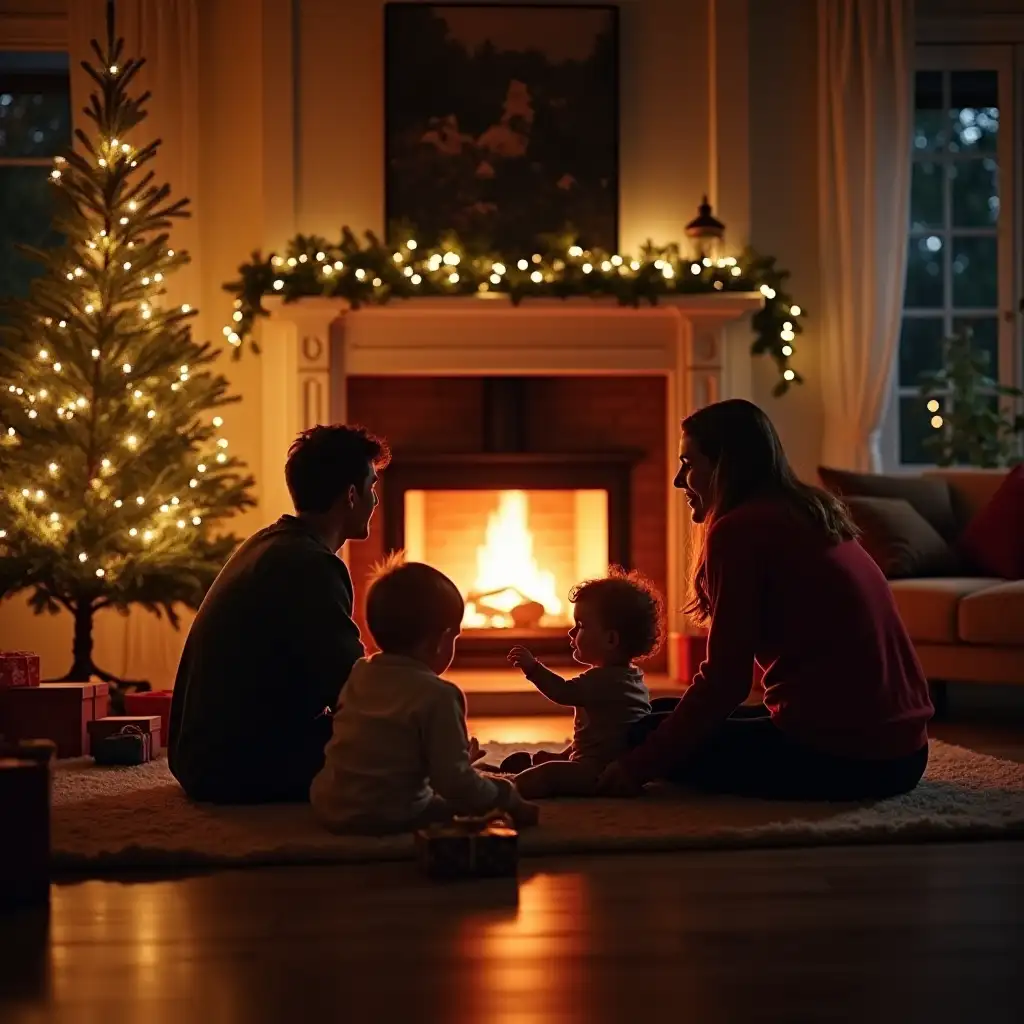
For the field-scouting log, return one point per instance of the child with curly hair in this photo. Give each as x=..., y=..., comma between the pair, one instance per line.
x=619, y=620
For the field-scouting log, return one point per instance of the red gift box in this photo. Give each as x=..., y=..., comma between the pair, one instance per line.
x=113, y=725
x=153, y=702
x=18, y=668
x=55, y=711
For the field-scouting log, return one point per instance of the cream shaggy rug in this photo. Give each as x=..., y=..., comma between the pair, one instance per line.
x=119, y=817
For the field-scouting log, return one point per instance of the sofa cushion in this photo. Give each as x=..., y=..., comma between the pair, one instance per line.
x=970, y=490
x=900, y=540
x=929, y=608
x=929, y=497
x=994, y=539
x=994, y=615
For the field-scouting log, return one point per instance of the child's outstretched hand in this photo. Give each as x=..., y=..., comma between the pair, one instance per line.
x=476, y=752
x=522, y=658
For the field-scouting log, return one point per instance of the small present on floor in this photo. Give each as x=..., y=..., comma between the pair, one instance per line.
x=469, y=847
x=114, y=725
x=129, y=746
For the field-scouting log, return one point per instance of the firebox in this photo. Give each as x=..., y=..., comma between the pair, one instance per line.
x=513, y=529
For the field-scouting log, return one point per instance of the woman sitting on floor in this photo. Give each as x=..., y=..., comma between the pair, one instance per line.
x=782, y=581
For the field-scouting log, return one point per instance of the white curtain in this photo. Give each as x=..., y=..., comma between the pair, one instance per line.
x=166, y=34
x=865, y=111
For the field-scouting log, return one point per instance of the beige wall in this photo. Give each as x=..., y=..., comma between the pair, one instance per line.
x=697, y=116
x=783, y=201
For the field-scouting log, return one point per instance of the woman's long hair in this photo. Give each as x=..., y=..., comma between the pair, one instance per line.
x=748, y=462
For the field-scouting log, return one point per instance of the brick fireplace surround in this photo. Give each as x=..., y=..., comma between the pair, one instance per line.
x=597, y=378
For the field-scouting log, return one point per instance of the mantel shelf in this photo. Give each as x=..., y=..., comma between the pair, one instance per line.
x=727, y=305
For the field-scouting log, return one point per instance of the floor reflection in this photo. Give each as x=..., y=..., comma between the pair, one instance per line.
x=528, y=968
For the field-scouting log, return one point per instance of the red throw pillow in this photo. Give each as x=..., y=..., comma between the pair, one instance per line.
x=994, y=538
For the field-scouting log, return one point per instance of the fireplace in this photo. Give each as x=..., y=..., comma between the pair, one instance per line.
x=598, y=377
x=513, y=529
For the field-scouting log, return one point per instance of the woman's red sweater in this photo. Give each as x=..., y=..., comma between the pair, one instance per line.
x=841, y=674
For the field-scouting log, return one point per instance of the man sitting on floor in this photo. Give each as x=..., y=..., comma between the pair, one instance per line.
x=273, y=642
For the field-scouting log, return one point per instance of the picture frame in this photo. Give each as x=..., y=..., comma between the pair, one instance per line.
x=502, y=124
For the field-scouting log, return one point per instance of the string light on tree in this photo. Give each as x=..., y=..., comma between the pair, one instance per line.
x=92, y=538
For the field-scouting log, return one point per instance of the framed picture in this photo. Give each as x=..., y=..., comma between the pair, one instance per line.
x=501, y=123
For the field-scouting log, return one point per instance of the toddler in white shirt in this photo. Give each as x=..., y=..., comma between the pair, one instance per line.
x=618, y=620
x=400, y=755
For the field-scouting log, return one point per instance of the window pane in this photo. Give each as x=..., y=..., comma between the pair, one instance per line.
x=975, y=273
x=975, y=111
x=920, y=348
x=985, y=338
x=924, y=273
x=35, y=104
x=926, y=188
x=915, y=428
x=931, y=122
x=26, y=198
x=975, y=193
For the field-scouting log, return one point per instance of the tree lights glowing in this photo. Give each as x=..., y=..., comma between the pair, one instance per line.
x=115, y=476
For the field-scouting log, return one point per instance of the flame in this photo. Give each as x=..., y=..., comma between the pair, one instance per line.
x=505, y=564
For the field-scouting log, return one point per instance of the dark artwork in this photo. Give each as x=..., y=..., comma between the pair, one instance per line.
x=502, y=123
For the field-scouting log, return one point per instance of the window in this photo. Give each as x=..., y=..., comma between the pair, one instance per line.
x=960, y=256
x=35, y=126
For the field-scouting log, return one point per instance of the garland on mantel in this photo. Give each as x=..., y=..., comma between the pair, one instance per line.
x=372, y=273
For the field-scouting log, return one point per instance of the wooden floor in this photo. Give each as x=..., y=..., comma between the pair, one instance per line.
x=919, y=933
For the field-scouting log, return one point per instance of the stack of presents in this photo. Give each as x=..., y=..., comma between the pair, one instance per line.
x=76, y=716
x=43, y=721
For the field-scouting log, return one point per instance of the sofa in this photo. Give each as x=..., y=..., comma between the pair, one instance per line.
x=967, y=625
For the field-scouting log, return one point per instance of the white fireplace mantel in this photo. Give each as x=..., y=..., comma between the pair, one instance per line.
x=311, y=348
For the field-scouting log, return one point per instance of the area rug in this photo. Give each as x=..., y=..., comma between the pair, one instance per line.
x=112, y=818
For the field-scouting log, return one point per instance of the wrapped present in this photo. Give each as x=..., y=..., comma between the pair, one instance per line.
x=130, y=746
x=112, y=725
x=25, y=850
x=18, y=669
x=155, y=702
x=485, y=847
x=60, y=712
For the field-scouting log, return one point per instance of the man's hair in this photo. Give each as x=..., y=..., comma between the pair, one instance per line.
x=410, y=602
x=324, y=461
x=629, y=603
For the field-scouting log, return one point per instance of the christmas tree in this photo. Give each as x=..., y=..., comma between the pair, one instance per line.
x=114, y=475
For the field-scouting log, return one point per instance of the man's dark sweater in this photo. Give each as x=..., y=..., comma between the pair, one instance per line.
x=271, y=646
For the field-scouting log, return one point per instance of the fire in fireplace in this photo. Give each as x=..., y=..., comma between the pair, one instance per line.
x=513, y=529
x=514, y=554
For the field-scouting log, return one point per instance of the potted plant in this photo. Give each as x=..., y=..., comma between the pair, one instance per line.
x=974, y=423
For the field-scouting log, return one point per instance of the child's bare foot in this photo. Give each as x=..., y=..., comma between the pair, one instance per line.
x=543, y=756
x=516, y=763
